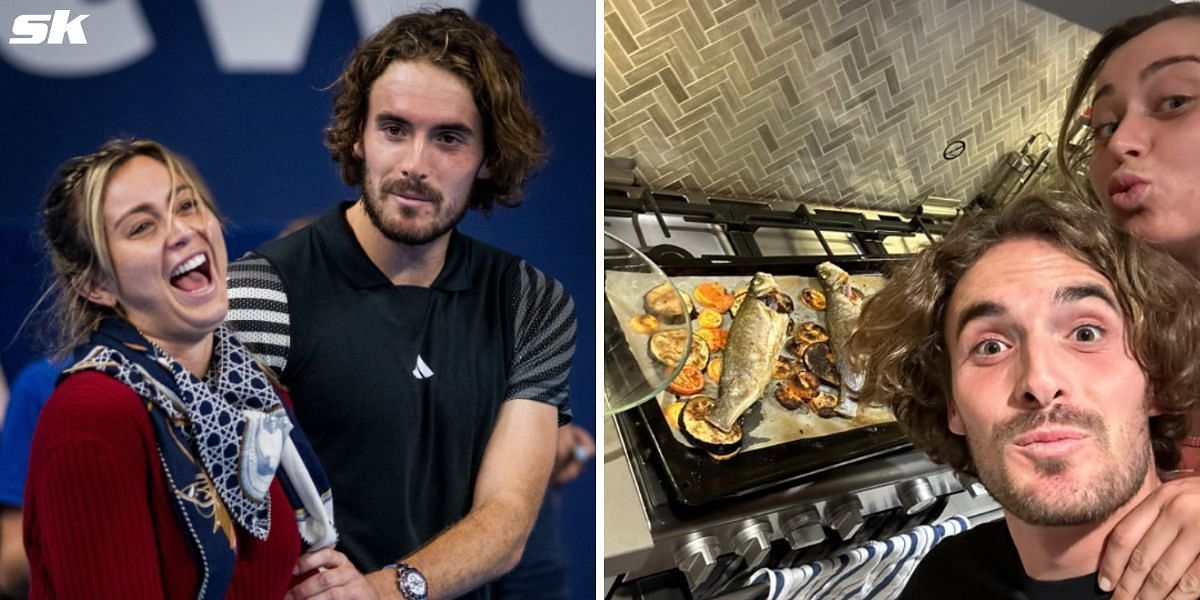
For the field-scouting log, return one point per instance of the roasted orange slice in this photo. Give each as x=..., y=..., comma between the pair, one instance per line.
x=715, y=338
x=714, y=369
x=811, y=333
x=644, y=324
x=671, y=412
x=709, y=319
x=689, y=381
x=713, y=295
x=814, y=298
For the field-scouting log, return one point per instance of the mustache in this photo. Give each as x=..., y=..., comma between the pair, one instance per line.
x=412, y=187
x=1059, y=414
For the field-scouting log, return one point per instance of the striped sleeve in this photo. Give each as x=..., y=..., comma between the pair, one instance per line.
x=544, y=337
x=258, y=310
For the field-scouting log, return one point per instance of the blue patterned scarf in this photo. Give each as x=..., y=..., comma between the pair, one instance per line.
x=222, y=441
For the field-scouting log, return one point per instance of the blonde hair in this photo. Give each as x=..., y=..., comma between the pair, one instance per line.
x=75, y=236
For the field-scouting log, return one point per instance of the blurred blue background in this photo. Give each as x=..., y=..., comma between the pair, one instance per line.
x=238, y=88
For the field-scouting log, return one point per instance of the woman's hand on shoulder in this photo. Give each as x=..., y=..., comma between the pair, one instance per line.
x=331, y=576
x=1154, y=552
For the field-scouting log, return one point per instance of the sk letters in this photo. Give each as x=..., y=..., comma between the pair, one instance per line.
x=49, y=29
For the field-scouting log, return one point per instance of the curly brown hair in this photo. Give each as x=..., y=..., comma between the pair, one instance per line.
x=448, y=38
x=1071, y=160
x=900, y=332
x=74, y=234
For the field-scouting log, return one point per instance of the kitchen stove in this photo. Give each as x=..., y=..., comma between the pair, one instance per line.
x=803, y=517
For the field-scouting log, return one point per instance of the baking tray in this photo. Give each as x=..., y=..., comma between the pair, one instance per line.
x=692, y=478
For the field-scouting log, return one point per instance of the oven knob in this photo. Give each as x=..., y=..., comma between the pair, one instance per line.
x=916, y=495
x=804, y=529
x=697, y=558
x=972, y=485
x=846, y=517
x=753, y=543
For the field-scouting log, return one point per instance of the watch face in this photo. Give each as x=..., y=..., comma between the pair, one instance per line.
x=414, y=583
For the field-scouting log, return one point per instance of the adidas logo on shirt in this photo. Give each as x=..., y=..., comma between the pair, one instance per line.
x=422, y=370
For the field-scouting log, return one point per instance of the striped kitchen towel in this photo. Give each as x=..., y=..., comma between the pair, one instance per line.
x=876, y=570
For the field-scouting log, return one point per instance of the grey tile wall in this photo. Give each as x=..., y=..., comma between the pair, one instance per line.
x=841, y=102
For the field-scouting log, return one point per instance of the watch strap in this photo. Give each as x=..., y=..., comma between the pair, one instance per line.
x=410, y=582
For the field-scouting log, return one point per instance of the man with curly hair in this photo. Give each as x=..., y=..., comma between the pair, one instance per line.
x=1053, y=357
x=429, y=368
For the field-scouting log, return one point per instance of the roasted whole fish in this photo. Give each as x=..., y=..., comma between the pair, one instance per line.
x=843, y=303
x=755, y=340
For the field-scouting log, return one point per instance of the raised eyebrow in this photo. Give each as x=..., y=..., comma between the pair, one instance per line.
x=978, y=310
x=1075, y=293
x=1149, y=70
x=1162, y=63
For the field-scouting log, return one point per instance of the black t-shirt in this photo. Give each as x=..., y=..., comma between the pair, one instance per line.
x=983, y=563
x=398, y=387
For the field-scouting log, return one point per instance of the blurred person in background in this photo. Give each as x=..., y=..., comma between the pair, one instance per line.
x=542, y=572
x=30, y=389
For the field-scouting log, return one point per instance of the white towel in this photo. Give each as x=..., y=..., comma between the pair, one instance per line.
x=877, y=570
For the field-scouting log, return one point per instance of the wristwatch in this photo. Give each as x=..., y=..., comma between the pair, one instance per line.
x=410, y=582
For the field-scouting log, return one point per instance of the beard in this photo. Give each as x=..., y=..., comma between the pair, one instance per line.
x=1050, y=503
x=406, y=228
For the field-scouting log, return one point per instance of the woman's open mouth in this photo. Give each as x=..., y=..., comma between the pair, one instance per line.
x=193, y=274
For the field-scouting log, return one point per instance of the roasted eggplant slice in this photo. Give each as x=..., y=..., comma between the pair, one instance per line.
x=693, y=423
x=811, y=332
x=824, y=403
x=666, y=347
x=796, y=347
x=779, y=302
x=805, y=380
x=663, y=302
x=792, y=396
x=738, y=297
x=784, y=367
x=820, y=360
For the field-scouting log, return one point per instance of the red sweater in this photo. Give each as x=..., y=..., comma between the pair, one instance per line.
x=99, y=521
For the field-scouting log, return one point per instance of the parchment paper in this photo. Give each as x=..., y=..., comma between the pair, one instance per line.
x=766, y=423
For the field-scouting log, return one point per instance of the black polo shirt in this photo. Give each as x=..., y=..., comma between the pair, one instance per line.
x=398, y=387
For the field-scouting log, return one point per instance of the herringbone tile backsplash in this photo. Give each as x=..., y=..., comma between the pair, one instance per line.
x=838, y=102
